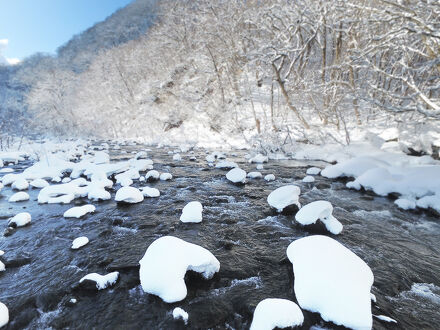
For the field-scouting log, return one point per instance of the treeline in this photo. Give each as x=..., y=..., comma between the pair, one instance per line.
x=251, y=68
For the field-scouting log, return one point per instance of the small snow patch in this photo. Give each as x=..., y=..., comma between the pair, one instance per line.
x=274, y=313
x=283, y=197
x=4, y=315
x=308, y=179
x=79, y=242
x=129, y=195
x=192, y=212
x=19, y=197
x=180, y=314
x=236, y=175
x=20, y=220
x=319, y=210
x=269, y=177
x=102, y=281
x=79, y=211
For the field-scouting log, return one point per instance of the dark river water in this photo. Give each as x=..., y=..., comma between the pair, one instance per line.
x=239, y=228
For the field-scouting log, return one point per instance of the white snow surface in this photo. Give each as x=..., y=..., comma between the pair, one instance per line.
x=20, y=184
x=79, y=211
x=165, y=176
x=259, y=158
x=4, y=315
x=150, y=192
x=129, y=195
x=19, y=197
x=271, y=313
x=192, y=212
x=405, y=204
x=79, y=242
x=163, y=267
x=269, y=177
x=236, y=175
x=332, y=280
x=102, y=281
x=254, y=175
x=21, y=219
x=308, y=179
x=180, y=314
x=319, y=210
x=313, y=171
x=284, y=196
x=39, y=183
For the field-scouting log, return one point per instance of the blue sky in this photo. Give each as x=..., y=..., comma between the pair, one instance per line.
x=30, y=26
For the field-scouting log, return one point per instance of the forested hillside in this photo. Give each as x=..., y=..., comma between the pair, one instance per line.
x=271, y=71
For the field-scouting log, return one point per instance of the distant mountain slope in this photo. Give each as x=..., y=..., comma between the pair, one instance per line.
x=125, y=24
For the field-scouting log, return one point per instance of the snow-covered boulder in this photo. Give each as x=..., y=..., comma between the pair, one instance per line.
x=192, y=212
x=180, y=314
x=313, y=171
x=177, y=157
x=165, y=263
x=254, y=175
x=284, y=197
x=39, y=183
x=102, y=281
x=129, y=195
x=79, y=242
x=4, y=315
x=98, y=194
x=2, y=267
x=236, y=175
x=259, y=158
x=140, y=155
x=353, y=167
x=165, y=176
x=56, y=179
x=224, y=164
x=274, y=313
x=152, y=175
x=20, y=220
x=308, y=179
x=20, y=184
x=79, y=211
x=19, y=197
x=405, y=204
x=260, y=167
x=332, y=280
x=269, y=177
x=63, y=193
x=319, y=210
x=150, y=192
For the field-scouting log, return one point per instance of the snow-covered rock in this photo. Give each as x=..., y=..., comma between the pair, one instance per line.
x=165, y=176
x=274, y=313
x=2, y=252
x=180, y=314
x=259, y=159
x=79, y=211
x=126, y=178
x=98, y=194
x=308, y=179
x=150, y=192
x=6, y=170
x=129, y=195
x=319, y=210
x=39, y=183
x=236, y=175
x=56, y=179
x=269, y=177
x=313, y=171
x=66, y=180
x=405, y=204
x=283, y=197
x=141, y=154
x=152, y=175
x=177, y=157
x=20, y=184
x=19, y=197
x=254, y=175
x=192, y=212
x=102, y=281
x=63, y=193
x=1, y=186
x=165, y=263
x=4, y=315
x=142, y=179
x=79, y=242
x=224, y=164
x=332, y=280
x=2, y=267
x=260, y=167
x=20, y=220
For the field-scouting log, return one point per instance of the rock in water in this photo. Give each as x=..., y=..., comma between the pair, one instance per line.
x=332, y=280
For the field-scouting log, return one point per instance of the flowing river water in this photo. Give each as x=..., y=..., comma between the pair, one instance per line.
x=239, y=228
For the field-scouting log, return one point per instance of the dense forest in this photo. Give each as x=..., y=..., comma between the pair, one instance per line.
x=269, y=72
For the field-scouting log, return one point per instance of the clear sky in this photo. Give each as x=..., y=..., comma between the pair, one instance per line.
x=30, y=26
